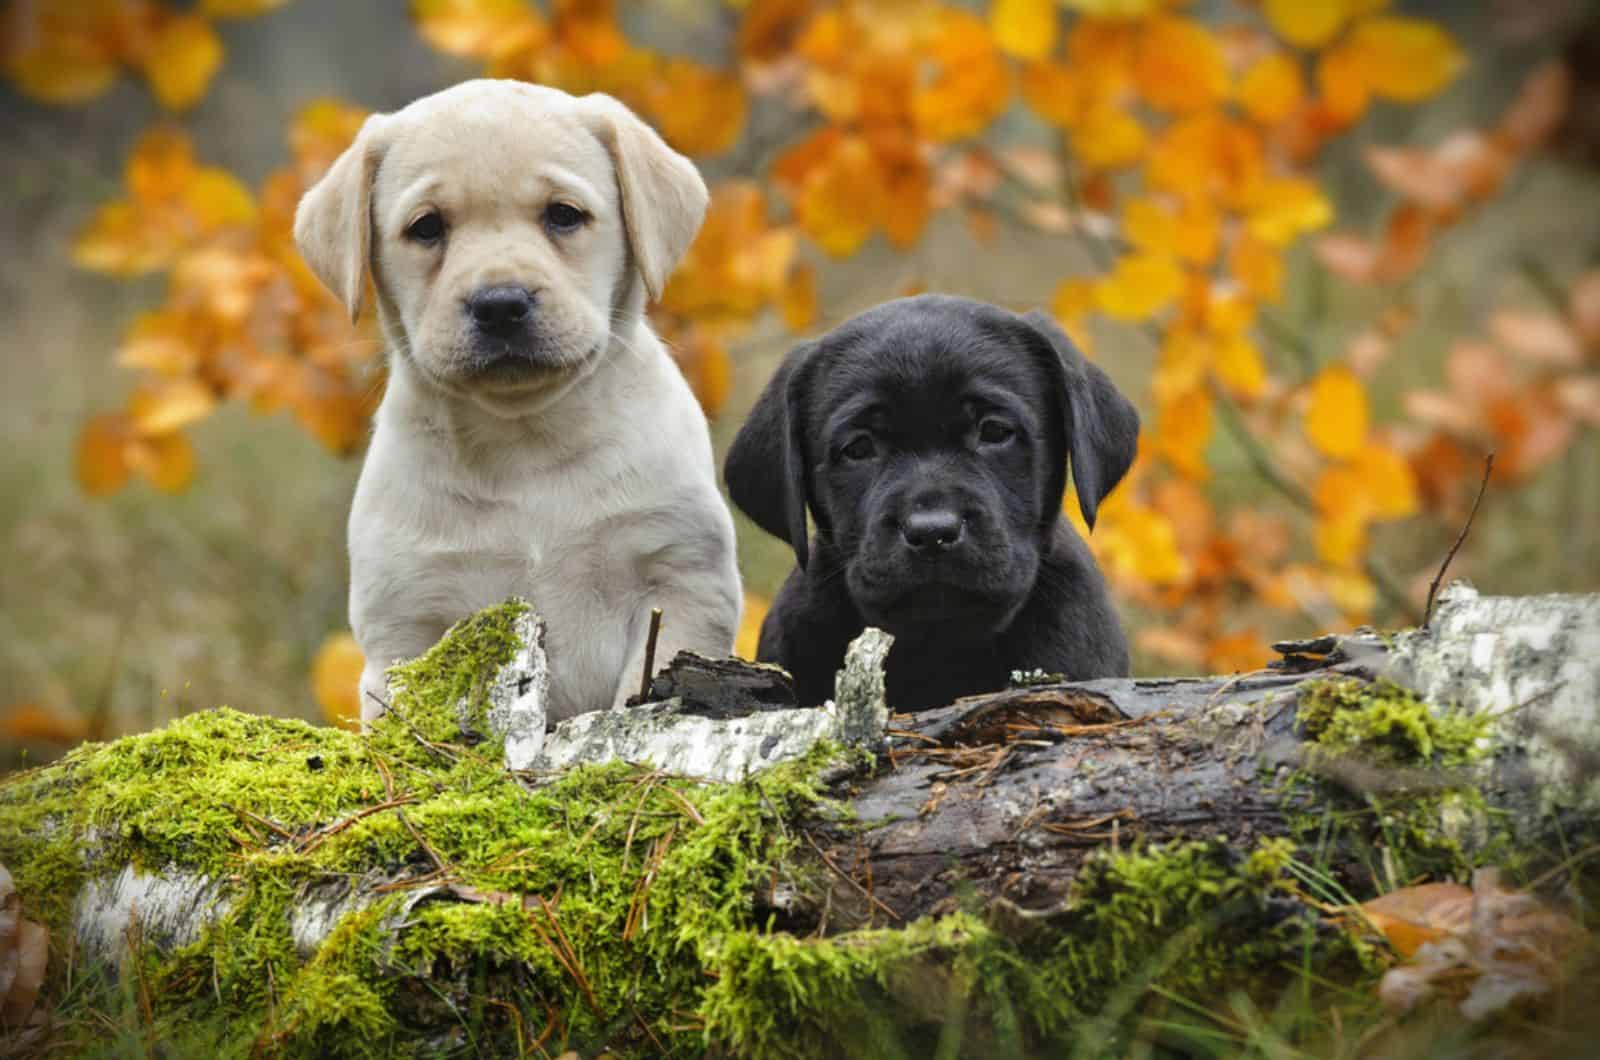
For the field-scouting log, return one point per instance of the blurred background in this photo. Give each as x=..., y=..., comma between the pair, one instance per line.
x=1337, y=252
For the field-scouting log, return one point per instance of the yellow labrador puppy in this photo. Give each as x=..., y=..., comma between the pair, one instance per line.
x=535, y=437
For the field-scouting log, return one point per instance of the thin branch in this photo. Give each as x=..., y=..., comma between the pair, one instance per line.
x=1433, y=586
x=650, y=653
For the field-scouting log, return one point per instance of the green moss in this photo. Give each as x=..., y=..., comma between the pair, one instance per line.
x=1407, y=795
x=614, y=908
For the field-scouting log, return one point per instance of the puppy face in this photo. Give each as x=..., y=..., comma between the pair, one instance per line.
x=506, y=227
x=929, y=438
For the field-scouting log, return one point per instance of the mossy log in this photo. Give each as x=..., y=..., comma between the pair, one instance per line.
x=1003, y=875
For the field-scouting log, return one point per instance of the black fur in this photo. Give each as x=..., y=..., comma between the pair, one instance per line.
x=944, y=526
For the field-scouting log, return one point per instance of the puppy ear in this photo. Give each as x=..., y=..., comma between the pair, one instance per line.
x=1102, y=426
x=333, y=223
x=663, y=198
x=766, y=466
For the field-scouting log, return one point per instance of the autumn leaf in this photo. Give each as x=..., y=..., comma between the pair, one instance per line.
x=1336, y=415
x=473, y=28
x=182, y=59
x=336, y=680
x=700, y=111
x=102, y=463
x=750, y=620
x=798, y=302
x=1272, y=89
x=1180, y=66
x=238, y=8
x=1024, y=28
x=1404, y=59
x=1306, y=23
x=35, y=723
x=1139, y=286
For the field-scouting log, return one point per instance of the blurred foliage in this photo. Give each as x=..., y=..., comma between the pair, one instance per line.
x=1183, y=152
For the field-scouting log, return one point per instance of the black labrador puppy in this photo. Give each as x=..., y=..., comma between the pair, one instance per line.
x=929, y=437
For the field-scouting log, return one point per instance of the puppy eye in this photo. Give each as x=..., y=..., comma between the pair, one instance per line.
x=860, y=448
x=995, y=432
x=428, y=228
x=563, y=217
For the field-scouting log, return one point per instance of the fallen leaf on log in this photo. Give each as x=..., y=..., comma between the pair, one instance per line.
x=24, y=953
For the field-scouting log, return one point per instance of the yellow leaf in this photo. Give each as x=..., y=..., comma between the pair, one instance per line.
x=1387, y=482
x=218, y=199
x=799, y=298
x=1108, y=137
x=1183, y=430
x=749, y=635
x=62, y=68
x=1128, y=9
x=1340, y=538
x=1073, y=299
x=1180, y=66
x=1181, y=366
x=1189, y=232
x=102, y=462
x=1282, y=208
x=1405, y=59
x=166, y=460
x=839, y=202
x=1257, y=266
x=472, y=28
x=238, y=8
x=182, y=60
x=1055, y=92
x=116, y=242
x=1342, y=80
x=1136, y=542
x=336, y=680
x=170, y=405
x=1336, y=417
x=1141, y=285
x=1307, y=23
x=1238, y=365
x=1272, y=89
x=1208, y=155
x=699, y=110
x=160, y=166
x=320, y=132
x=156, y=343
x=1024, y=28
x=971, y=85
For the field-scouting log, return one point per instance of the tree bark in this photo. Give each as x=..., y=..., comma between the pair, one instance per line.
x=1005, y=795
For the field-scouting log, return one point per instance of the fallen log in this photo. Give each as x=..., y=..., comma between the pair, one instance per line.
x=1007, y=873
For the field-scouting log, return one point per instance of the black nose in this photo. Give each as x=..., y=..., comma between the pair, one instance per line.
x=502, y=310
x=932, y=530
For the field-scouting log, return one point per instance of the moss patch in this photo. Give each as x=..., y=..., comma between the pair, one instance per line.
x=1406, y=781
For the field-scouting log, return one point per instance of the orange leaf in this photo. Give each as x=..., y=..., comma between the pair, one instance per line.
x=169, y=405
x=1282, y=208
x=157, y=343
x=1141, y=285
x=1180, y=66
x=336, y=680
x=320, y=132
x=473, y=28
x=59, y=68
x=1055, y=92
x=160, y=166
x=1108, y=137
x=166, y=461
x=1024, y=28
x=971, y=85
x=102, y=461
x=1241, y=652
x=1341, y=78
x=1272, y=89
x=238, y=8
x=182, y=59
x=1258, y=267
x=839, y=202
x=1306, y=23
x=1405, y=59
x=35, y=723
x=1336, y=416
x=699, y=110
x=1183, y=430
x=750, y=620
x=798, y=301
x=1189, y=232
x=1412, y=916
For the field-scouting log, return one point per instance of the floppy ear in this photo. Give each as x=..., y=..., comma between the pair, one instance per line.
x=766, y=465
x=663, y=197
x=333, y=223
x=1102, y=426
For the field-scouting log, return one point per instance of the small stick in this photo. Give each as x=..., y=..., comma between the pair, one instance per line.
x=650, y=653
x=1433, y=587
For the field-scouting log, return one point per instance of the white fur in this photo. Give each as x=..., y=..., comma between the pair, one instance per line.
x=590, y=489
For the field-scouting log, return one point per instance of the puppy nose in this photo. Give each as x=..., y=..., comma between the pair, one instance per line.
x=934, y=529
x=500, y=310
